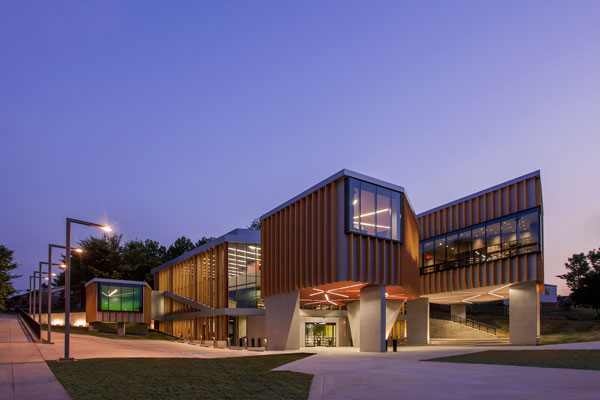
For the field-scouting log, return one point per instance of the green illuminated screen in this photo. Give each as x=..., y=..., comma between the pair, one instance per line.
x=120, y=297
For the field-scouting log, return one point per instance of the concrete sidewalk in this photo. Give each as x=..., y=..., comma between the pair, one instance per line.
x=348, y=374
x=23, y=372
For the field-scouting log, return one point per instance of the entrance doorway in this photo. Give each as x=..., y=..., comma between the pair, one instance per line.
x=319, y=334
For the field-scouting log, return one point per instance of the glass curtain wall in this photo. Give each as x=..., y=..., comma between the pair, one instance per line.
x=373, y=210
x=120, y=297
x=506, y=237
x=243, y=274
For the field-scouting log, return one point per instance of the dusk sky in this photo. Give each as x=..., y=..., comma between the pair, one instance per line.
x=192, y=118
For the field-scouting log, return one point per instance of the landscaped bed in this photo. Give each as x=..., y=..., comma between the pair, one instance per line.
x=152, y=335
x=183, y=378
x=576, y=359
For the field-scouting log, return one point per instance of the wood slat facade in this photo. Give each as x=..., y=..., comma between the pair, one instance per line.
x=502, y=201
x=203, y=279
x=304, y=245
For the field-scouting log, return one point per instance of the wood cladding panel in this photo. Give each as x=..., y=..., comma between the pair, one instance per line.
x=314, y=232
x=502, y=201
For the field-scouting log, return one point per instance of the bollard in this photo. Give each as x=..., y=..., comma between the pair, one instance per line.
x=246, y=343
x=252, y=342
x=395, y=345
x=259, y=342
x=214, y=342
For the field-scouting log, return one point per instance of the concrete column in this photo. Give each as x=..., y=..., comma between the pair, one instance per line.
x=121, y=328
x=354, y=321
x=392, y=309
x=417, y=322
x=524, y=313
x=283, y=321
x=372, y=319
x=459, y=310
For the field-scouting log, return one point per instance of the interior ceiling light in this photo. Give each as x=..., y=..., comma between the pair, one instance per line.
x=372, y=213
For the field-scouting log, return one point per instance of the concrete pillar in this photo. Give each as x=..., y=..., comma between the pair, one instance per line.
x=392, y=309
x=417, y=322
x=524, y=313
x=121, y=328
x=354, y=321
x=283, y=321
x=372, y=319
x=459, y=310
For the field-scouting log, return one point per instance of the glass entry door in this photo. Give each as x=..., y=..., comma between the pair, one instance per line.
x=319, y=334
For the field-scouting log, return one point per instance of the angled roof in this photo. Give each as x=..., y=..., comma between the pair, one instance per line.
x=236, y=235
x=484, y=191
x=105, y=280
x=333, y=178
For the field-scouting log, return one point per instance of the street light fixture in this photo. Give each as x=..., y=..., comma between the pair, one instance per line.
x=70, y=221
x=40, y=287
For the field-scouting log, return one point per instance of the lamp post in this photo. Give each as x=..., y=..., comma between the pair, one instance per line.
x=30, y=277
x=68, y=277
x=50, y=247
x=40, y=291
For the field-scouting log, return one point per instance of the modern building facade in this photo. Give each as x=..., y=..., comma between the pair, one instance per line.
x=349, y=263
x=213, y=293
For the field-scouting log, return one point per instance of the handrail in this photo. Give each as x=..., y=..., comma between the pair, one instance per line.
x=33, y=324
x=480, y=326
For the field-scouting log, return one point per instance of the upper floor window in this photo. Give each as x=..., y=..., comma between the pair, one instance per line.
x=373, y=210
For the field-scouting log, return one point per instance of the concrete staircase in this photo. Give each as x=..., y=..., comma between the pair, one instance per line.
x=442, y=329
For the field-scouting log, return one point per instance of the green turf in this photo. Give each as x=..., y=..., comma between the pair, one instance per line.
x=576, y=359
x=183, y=378
x=85, y=331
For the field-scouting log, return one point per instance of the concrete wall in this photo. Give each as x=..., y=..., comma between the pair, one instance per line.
x=354, y=321
x=524, y=313
x=417, y=322
x=459, y=310
x=77, y=319
x=392, y=309
x=158, y=305
x=372, y=319
x=282, y=317
x=256, y=328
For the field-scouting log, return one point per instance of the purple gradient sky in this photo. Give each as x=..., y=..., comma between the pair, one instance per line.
x=192, y=118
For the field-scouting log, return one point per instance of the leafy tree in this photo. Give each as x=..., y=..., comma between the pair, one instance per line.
x=204, y=240
x=583, y=278
x=180, y=246
x=7, y=265
x=255, y=224
x=139, y=258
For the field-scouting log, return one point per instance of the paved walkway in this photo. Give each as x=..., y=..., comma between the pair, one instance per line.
x=347, y=374
x=23, y=372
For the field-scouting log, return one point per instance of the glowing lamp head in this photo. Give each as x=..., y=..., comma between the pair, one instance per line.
x=106, y=228
x=62, y=266
x=78, y=250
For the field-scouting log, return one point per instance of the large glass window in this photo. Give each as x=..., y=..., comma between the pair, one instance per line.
x=373, y=210
x=243, y=273
x=116, y=296
x=464, y=246
x=493, y=240
x=500, y=238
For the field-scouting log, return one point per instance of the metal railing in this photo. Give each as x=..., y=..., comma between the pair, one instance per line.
x=480, y=326
x=33, y=325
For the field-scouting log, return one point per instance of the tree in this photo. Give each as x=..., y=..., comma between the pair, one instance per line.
x=204, y=240
x=7, y=265
x=583, y=278
x=180, y=245
x=255, y=224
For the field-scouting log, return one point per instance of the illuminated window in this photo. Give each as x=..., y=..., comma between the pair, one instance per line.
x=373, y=210
x=116, y=296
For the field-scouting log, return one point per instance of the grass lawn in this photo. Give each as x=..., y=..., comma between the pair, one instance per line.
x=576, y=359
x=183, y=378
x=86, y=331
x=553, y=331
